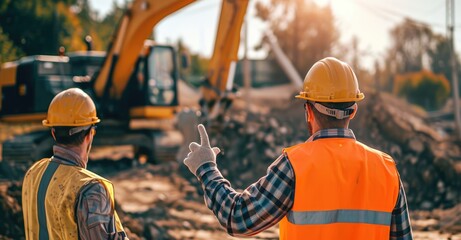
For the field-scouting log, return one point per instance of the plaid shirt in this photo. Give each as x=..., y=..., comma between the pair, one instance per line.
x=265, y=202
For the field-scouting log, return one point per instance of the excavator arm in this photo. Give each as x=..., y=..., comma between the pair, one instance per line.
x=136, y=25
x=222, y=64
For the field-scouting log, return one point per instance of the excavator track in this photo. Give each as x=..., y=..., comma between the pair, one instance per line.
x=19, y=153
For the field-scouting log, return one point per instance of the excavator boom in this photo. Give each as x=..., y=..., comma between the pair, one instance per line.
x=222, y=63
x=136, y=25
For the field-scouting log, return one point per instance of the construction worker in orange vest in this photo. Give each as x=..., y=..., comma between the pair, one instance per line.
x=329, y=187
x=60, y=198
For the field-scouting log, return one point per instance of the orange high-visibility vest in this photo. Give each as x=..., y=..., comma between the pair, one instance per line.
x=49, y=195
x=343, y=190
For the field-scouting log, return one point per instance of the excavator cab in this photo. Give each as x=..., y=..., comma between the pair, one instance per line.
x=162, y=77
x=152, y=89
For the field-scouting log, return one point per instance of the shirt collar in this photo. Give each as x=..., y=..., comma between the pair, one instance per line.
x=332, y=133
x=66, y=156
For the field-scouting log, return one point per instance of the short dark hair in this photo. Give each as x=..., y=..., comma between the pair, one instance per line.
x=326, y=121
x=62, y=136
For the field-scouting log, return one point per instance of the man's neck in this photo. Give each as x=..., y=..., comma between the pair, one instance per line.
x=79, y=154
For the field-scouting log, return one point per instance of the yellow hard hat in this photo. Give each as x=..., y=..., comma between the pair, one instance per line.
x=71, y=108
x=331, y=80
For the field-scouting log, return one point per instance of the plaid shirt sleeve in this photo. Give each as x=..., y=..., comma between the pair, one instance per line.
x=400, y=221
x=260, y=206
x=94, y=214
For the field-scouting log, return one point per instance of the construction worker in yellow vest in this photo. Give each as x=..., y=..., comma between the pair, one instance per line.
x=61, y=199
x=329, y=187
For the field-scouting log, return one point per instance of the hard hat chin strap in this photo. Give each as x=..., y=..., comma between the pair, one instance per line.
x=337, y=113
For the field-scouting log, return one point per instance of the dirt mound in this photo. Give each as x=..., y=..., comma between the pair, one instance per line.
x=11, y=220
x=250, y=142
x=427, y=159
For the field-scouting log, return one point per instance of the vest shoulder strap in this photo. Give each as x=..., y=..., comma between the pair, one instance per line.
x=294, y=147
x=384, y=155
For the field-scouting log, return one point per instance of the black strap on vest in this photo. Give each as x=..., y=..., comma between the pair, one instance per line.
x=41, y=195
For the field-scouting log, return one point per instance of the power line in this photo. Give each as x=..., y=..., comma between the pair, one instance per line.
x=369, y=8
x=440, y=6
x=386, y=12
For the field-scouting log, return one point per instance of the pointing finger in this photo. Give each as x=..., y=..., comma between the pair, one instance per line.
x=205, y=142
x=193, y=146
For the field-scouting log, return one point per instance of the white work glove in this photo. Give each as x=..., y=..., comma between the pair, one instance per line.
x=200, y=154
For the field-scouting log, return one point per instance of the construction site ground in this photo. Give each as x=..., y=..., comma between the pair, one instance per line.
x=165, y=201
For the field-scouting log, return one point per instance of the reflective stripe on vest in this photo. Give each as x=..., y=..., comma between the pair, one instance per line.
x=339, y=216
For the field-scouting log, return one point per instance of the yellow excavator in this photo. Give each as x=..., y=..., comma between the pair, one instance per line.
x=135, y=79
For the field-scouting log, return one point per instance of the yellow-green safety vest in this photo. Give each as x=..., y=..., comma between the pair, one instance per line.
x=49, y=194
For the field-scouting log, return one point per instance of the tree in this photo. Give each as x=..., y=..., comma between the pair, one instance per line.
x=7, y=50
x=42, y=26
x=416, y=47
x=412, y=43
x=441, y=58
x=106, y=27
x=37, y=27
x=424, y=88
x=184, y=57
x=89, y=22
x=305, y=31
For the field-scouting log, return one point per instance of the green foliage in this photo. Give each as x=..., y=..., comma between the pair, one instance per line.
x=104, y=29
x=183, y=55
x=414, y=47
x=423, y=88
x=33, y=26
x=305, y=31
x=441, y=59
x=198, y=69
x=197, y=65
x=41, y=26
x=7, y=51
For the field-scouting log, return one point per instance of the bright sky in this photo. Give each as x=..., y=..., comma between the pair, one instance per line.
x=369, y=20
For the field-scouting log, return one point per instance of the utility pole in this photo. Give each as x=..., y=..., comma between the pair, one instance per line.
x=454, y=70
x=295, y=41
x=246, y=67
